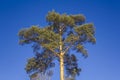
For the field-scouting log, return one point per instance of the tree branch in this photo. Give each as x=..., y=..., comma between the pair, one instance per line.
x=62, y=28
x=54, y=52
x=67, y=48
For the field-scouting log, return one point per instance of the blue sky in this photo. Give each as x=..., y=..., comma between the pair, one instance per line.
x=103, y=62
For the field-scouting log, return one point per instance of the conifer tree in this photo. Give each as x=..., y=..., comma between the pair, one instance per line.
x=63, y=35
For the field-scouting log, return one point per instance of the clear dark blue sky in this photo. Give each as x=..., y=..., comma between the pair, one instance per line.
x=103, y=62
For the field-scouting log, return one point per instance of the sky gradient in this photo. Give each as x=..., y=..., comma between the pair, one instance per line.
x=103, y=62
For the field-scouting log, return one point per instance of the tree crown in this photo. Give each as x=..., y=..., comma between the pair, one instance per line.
x=70, y=31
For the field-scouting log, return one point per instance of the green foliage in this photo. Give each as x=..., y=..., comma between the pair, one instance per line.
x=42, y=36
x=86, y=32
x=57, y=19
x=71, y=65
x=41, y=62
x=70, y=31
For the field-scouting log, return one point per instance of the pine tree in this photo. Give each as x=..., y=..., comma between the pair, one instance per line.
x=63, y=35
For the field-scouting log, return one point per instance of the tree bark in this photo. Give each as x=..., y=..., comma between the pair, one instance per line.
x=61, y=56
x=61, y=67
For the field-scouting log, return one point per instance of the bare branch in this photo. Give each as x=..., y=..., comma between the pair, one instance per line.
x=66, y=50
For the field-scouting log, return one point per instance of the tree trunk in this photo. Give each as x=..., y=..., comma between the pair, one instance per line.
x=61, y=56
x=61, y=67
